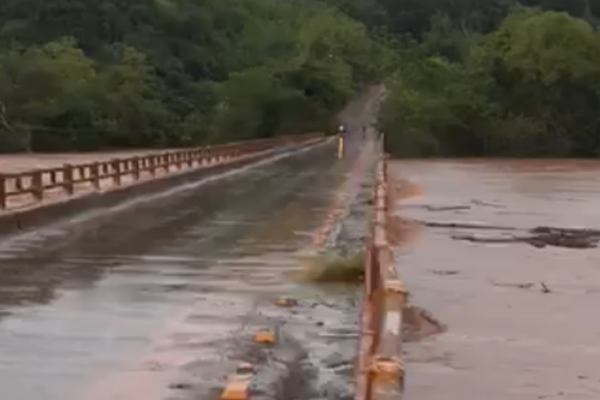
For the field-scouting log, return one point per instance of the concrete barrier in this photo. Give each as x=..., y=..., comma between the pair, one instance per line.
x=380, y=371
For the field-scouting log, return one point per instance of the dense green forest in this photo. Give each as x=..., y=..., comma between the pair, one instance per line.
x=465, y=77
x=91, y=74
x=491, y=77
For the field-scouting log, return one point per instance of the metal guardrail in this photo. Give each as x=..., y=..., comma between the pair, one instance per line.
x=380, y=372
x=24, y=189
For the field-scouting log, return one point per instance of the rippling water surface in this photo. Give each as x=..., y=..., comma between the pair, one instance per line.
x=506, y=337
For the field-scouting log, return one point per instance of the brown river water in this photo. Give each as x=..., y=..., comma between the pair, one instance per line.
x=506, y=336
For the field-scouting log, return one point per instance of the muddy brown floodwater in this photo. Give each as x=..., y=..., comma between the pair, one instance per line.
x=15, y=163
x=521, y=320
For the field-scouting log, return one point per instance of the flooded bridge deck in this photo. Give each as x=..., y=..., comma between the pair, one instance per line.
x=158, y=300
x=519, y=317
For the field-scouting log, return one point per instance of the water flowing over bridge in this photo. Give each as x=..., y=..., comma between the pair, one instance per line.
x=183, y=275
x=180, y=274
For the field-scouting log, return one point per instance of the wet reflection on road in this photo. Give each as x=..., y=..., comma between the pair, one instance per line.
x=85, y=301
x=520, y=319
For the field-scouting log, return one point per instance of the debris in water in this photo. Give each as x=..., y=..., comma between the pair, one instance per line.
x=180, y=386
x=528, y=285
x=447, y=208
x=445, y=272
x=545, y=288
x=556, y=237
x=466, y=225
x=539, y=237
x=286, y=302
x=485, y=204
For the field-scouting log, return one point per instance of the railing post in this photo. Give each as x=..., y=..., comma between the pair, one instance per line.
x=152, y=161
x=116, y=171
x=3, y=193
x=68, y=179
x=37, y=185
x=136, y=168
x=174, y=160
x=165, y=162
x=53, y=177
x=95, y=175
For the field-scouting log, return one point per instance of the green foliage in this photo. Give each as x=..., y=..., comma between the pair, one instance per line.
x=466, y=77
x=545, y=68
x=83, y=74
x=530, y=87
x=433, y=109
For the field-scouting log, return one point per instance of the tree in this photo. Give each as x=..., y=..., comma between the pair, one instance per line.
x=46, y=85
x=83, y=74
x=545, y=66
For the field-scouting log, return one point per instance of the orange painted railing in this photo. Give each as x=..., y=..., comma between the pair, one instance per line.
x=25, y=189
x=380, y=372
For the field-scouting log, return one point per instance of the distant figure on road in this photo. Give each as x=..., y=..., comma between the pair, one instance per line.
x=340, y=140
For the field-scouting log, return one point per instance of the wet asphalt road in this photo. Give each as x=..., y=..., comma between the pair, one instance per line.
x=126, y=304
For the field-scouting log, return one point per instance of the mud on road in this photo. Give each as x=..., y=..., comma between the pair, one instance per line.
x=503, y=254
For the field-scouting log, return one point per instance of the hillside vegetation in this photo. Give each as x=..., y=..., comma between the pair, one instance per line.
x=91, y=74
x=465, y=77
x=490, y=77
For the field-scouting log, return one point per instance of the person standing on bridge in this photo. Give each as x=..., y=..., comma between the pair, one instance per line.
x=340, y=138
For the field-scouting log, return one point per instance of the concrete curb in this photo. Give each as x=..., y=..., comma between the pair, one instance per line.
x=381, y=373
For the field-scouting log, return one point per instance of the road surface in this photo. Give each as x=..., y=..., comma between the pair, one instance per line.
x=508, y=336
x=160, y=300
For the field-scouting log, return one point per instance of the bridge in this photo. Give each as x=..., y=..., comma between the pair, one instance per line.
x=180, y=275
x=186, y=275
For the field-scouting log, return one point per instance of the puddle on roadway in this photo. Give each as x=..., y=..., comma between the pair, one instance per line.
x=84, y=307
x=506, y=337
